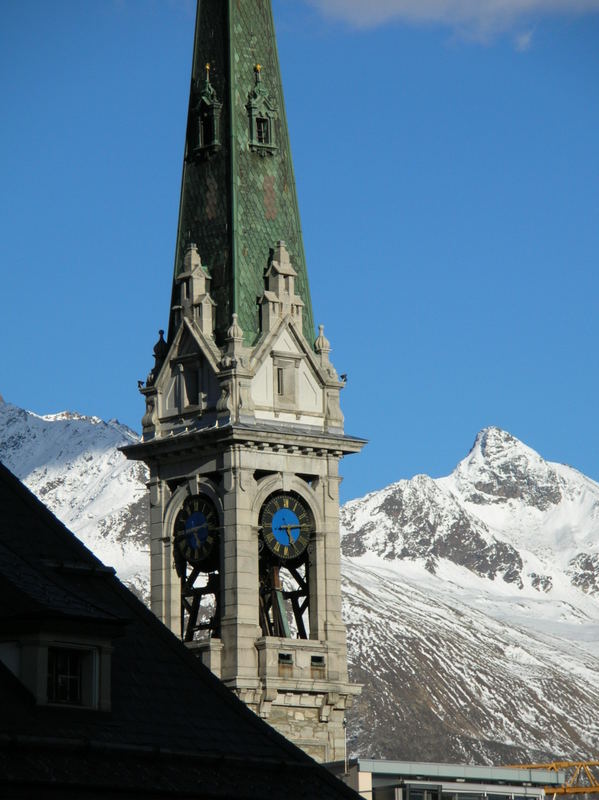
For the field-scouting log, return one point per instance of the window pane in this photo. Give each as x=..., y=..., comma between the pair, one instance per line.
x=64, y=675
x=262, y=130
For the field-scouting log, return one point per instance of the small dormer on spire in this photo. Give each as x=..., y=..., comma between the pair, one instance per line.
x=262, y=112
x=193, y=284
x=205, y=117
x=280, y=300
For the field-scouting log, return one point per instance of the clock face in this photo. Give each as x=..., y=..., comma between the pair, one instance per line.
x=196, y=529
x=287, y=523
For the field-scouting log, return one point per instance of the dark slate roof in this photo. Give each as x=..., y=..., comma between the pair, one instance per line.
x=173, y=729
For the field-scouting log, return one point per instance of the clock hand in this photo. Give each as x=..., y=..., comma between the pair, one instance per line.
x=192, y=533
x=288, y=529
x=196, y=528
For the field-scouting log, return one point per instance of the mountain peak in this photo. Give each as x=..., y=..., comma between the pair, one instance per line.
x=502, y=500
x=493, y=446
x=500, y=468
x=492, y=436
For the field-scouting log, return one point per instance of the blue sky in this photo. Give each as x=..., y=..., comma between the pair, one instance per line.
x=448, y=175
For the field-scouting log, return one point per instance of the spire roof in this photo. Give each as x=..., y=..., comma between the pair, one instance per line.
x=238, y=196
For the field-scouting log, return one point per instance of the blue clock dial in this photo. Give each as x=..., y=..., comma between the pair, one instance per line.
x=196, y=530
x=287, y=524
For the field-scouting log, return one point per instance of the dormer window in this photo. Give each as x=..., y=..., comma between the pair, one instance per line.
x=205, y=118
x=71, y=674
x=262, y=112
x=208, y=124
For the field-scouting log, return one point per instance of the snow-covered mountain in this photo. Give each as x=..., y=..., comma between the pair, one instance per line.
x=474, y=610
x=72, y=464
x=504, y=512
x=472, y=601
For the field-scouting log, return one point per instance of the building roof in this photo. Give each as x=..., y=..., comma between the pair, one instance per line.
x=471, y=773
x=173, y=729
x=379, y=778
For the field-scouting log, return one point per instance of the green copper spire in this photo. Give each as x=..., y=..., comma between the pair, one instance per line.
x=238, y=196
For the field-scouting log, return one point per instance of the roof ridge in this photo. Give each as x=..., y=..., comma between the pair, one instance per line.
x=26, y=495
x=37, y=566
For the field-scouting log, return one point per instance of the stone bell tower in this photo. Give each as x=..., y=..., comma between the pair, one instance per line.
x=243, y=432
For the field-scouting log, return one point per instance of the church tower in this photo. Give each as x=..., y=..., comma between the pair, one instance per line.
x=243, y=432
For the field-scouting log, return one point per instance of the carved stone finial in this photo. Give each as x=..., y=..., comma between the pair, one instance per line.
x=234, y=354
x=160, y=348
x=160, y=353
x=322, y=344
x=234, y=331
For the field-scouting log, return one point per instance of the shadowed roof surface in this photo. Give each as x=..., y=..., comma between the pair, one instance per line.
x=173, y=728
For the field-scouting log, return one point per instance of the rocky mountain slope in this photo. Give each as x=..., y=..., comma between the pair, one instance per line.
x=472, y=601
